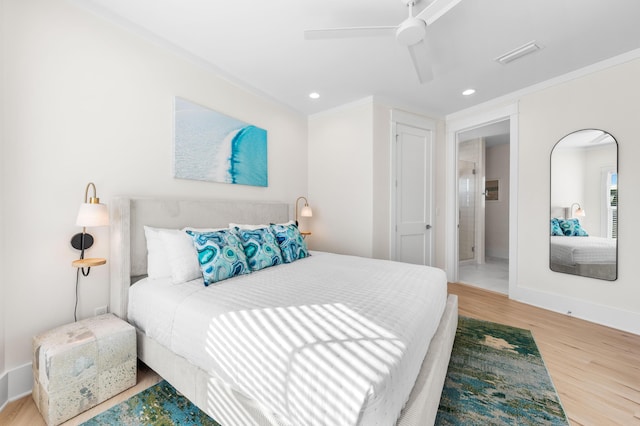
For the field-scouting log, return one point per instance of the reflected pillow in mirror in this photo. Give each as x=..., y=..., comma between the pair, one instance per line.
x=556, y=231
x=572, y=228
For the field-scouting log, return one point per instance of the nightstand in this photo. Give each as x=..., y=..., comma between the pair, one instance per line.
x=79, y=365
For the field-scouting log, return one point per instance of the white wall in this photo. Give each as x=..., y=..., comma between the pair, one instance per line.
x=341, y=179
x=568, y=175
x=85, y=100
x=381, y=181
x=497, y=212
x=598, y=161
x=350, y=178
x=606, y=100
x=440, y=195
x=3, y=300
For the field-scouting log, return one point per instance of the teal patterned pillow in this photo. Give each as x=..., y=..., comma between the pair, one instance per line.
x=260, y=247
x=220, y=255
x=572, y=228
x=291, y=242
x=555, y=228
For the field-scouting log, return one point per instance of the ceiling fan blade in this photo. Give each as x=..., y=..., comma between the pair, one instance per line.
x=436, y=9
x=422, y=61
x=348, y=32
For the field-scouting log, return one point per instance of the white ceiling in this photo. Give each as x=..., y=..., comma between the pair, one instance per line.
x=260, y=44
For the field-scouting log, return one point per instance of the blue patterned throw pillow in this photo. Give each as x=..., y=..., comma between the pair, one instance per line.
x=555, y=228
x=572, y=228
x=220, y=255
x=260, y=247
x=291, y=242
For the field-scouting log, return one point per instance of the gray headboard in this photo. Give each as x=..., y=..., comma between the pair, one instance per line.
x=128, y=251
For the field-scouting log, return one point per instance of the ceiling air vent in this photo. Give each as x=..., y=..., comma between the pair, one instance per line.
x=518, y=52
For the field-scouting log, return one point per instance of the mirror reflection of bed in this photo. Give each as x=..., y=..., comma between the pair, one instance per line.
x=584, y=205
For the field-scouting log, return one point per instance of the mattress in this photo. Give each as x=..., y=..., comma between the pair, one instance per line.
x=329, y=339
x=571, y=251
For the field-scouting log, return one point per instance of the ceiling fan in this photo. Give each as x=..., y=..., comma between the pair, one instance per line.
x=410, y=33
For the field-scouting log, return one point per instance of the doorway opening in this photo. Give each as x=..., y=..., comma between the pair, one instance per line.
x=483, y=206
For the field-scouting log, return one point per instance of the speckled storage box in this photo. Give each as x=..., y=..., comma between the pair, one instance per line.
x=77, y=366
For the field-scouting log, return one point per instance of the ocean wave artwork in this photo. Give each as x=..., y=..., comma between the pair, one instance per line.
x=214, y=147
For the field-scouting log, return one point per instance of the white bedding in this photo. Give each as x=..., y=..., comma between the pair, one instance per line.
x=330, y=339
x=571, y=251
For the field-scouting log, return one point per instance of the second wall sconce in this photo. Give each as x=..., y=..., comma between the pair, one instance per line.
x=579, y=212
x=91, y=213
x=304, y=212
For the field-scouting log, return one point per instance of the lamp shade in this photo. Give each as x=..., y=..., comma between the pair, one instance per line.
x=92, y=214
x=306, y=211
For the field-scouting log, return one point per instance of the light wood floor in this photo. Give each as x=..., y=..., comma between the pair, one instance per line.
x=595, y=369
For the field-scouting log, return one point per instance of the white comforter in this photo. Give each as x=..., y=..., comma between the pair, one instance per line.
x=331, y=339
x=573, y=250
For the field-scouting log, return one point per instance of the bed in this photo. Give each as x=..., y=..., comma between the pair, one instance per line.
x=308, y=342
x=586, y=256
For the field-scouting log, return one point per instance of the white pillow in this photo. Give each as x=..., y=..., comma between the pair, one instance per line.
x=157, y=259
x=171, y=253
x=182, y=256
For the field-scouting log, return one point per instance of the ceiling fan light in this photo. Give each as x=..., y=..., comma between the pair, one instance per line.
x=411, y=31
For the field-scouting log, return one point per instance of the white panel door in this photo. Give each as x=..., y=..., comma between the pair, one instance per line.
x=414, y=227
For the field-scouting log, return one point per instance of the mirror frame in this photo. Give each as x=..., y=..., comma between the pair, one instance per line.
x=604, y=271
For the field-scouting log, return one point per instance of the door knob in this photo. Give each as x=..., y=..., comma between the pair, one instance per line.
x=428, y=226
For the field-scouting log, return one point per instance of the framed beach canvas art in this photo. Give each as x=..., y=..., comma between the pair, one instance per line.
x=214, y=147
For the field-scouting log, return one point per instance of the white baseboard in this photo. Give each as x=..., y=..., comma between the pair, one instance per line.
x=588, y=311
x=4, y=390
x=15, y=384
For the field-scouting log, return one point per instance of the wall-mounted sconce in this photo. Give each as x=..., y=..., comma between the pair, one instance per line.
x=304, y=212
x=579, y=212
x=91, y=213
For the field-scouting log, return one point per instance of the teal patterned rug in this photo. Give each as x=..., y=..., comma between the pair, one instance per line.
x=158, y=405
x=496, y=377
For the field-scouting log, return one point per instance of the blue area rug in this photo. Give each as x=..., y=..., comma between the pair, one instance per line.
x=496, y=376
x=158, y=405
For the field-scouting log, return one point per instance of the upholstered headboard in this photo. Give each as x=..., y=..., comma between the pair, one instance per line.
x=128, y=252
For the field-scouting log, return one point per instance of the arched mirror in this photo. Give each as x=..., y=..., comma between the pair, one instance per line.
x=584, y=205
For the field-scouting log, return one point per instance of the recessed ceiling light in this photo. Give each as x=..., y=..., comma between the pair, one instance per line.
x=314, y=95
x=469, y=92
